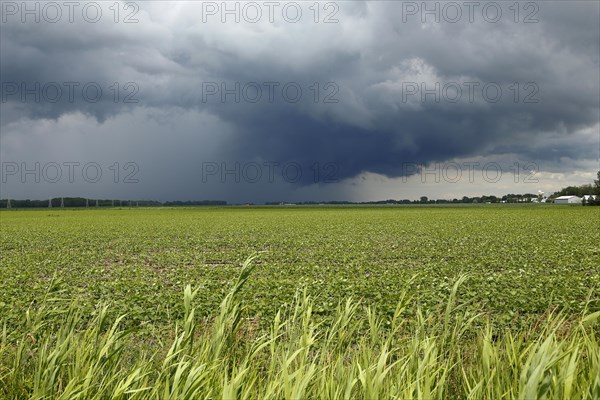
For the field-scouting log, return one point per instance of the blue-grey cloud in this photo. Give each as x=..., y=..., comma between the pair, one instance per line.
x=369, y=63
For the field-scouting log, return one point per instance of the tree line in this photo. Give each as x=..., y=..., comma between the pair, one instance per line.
x=71, y=202
x=581, y=191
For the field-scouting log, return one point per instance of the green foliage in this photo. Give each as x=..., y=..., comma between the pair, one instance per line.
x=582, y=191
x=595, y=201
x=343, y=302
x=521, y=259
x=364, y=354
x=579, y=191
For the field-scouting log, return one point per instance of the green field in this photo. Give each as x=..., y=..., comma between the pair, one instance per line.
x=520, y=260
x=520, y=264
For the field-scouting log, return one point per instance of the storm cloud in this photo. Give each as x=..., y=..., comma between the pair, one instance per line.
x=367, y=89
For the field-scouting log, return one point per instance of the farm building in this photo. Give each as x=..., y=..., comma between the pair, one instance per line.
x=567, y=200
x=589, y=197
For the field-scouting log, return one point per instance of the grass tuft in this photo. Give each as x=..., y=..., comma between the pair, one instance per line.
x=361, y=354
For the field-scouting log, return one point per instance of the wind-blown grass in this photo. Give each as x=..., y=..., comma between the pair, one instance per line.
x=359, y=354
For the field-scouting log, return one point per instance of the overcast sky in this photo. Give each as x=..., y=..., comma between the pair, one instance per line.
x=295, y=101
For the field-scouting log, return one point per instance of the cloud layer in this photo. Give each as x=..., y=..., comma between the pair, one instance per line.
x=384, y=86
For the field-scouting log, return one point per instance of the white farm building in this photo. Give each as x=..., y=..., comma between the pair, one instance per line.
x=567, y=200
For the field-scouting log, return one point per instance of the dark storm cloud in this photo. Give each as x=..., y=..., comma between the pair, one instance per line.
x=369, y=57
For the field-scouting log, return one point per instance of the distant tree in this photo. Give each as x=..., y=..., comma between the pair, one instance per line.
x=424, y=199
x=596, y=192
x=582, y=191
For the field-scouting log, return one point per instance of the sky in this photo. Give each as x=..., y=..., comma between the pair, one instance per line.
x=297, y=101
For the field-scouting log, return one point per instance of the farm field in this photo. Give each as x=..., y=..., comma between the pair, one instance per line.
x=519, y=260
x=519, y=268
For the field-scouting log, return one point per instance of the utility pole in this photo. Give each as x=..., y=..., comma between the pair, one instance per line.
x=87, y=203
x=8, y=202
x=50, y=202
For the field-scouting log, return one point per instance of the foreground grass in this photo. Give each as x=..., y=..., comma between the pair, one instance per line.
x=360, y=354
